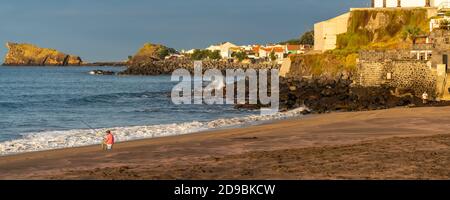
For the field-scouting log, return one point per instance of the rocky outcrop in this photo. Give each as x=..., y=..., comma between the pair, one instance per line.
x=31, y=55
x=322, y=95
x=101, y=72
x=150, y=52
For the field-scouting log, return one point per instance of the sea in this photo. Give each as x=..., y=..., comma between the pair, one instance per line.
x=44, y=108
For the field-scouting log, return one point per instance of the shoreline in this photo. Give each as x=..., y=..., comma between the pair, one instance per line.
x=83, y=137
x=355, y=141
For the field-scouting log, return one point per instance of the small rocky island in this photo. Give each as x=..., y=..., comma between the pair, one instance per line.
x=31, y=55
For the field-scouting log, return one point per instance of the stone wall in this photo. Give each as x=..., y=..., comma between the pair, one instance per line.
x=413, y=75
x=395, y=70
x=441, y=46
x=385, y=55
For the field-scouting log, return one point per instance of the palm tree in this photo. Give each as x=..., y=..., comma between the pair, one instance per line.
x=444, y=24
x=411, y=32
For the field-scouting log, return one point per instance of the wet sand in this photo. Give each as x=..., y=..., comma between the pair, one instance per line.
x=401, y=143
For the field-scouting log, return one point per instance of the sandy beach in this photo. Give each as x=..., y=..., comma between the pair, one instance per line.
x=401, y=143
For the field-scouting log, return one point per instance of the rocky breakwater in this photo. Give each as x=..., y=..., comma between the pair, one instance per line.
x=168, y=66
x=149, y=60
x=31, y=55
x=322, y=95
x=327, y=94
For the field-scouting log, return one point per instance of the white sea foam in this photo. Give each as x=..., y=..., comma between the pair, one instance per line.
x=76, y=138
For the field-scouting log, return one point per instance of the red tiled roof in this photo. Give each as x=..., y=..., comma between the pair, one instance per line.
x=278, y=49
x=256, y=49
x=274, y=49
x=293, y=47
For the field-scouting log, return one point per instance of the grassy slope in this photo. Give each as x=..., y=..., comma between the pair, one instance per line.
x=385, y=35
x=360, y=36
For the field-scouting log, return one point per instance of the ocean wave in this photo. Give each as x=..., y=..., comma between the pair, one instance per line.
x=112, y=97
x=80, y=137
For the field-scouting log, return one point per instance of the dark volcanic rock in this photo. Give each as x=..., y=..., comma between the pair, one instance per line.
x=101, y=72
x=156, y=67
x=322, y=95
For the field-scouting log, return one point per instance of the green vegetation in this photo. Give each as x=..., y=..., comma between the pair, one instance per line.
x=272, y=56
x=367, y=29
x=152, y=51
x=307, y=39
x=163, y=52
x=411, y=33
x=291, y=41
x=375, y=29
x=444, y=24
x=239, y=55
x=206, y=54
x=330, y=63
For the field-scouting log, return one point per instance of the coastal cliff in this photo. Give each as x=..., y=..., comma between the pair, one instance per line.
x=382, y=28
x=31, y=55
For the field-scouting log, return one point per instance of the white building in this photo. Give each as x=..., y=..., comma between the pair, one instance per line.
x=409, y=3
x=224, y=48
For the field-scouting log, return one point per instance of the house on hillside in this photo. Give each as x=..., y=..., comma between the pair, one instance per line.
x=278, y=51
x=297, y=49
x=226, y=49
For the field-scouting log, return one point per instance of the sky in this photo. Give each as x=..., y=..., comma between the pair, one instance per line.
x=111, y=30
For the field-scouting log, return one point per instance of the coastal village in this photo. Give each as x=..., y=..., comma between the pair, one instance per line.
x=401, y=44
x=388, y=54
x=269, y=52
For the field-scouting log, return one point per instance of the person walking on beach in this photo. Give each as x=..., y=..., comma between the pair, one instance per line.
x=425, y=98
x=109, y=140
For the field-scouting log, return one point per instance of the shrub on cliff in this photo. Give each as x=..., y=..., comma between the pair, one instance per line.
x=239, y=55
x=206, y=54
x=328, y=64
x=381, y=28
x=150, y=52
x=306, y=39
x=411, y=33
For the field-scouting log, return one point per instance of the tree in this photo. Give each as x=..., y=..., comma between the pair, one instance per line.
x=411, y=32
x=163, y=52
x=198, y=55
x=444, y=24
x=215, y=55
x=204, y=54
x=272, y=56
x=291, y=41
x=239, y=55
x=307, y=38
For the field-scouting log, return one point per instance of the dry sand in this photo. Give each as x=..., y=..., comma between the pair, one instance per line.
x=398, y=143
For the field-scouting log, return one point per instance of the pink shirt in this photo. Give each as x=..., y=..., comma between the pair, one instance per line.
x=110, y=139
